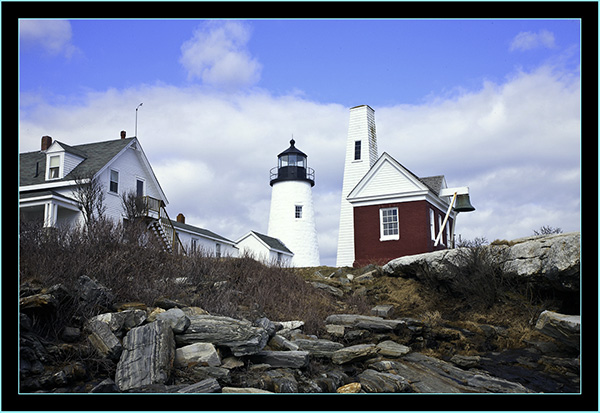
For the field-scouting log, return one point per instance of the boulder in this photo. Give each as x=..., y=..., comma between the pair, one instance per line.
x=276, y=381
x=358, y=352
x=147, y=358
x=371, y=323
x=176, y=318
x=372, y=381
x=238, y=390
x=390, y=348
x=104, y=340
x=38, y=303
x=209, y=385
x=349, y=388
x=546, y=260
x=328, y=288
x=383, y=310
x=281, y=343
x=203, y=354
x=564, y=328
x=240, y=336
x=92, y=293
x=291, y=359
x=319, y=347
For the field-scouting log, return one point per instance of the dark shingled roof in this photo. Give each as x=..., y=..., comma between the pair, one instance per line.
x=200, y=231
x=95, y=155
x=434, y=183
x=272, y=242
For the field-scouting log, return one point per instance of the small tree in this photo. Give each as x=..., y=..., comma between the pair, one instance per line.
x=134, y=206
x=547, y=230
x=89, y=192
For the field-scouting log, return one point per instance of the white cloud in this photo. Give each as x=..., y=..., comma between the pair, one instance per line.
x=53, y=36
x=530, y=40
x=217, y=55
x=516, y=144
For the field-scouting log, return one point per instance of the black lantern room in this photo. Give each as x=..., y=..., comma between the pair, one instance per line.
x=292, y=166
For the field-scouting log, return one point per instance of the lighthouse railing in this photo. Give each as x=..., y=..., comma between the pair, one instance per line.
x=274, y=174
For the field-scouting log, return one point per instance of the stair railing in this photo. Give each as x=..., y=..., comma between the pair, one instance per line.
x=155, y=208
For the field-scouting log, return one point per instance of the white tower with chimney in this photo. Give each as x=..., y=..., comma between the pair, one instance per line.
x=292, y=216
x=361, y=154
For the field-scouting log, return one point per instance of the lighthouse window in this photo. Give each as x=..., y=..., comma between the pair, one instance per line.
x=283, y=161
x=388, y=219
x=298, y=213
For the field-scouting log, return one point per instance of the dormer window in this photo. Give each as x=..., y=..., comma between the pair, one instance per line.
x=54, y=167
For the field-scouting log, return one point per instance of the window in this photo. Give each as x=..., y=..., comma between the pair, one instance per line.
x=114, y=181
x=54, y=167
x=218, y=250
x=440, y=226
x=357, y=145
x=388, y=219
x=432, y=223
x=298, y=212
x=194, y=245
x=139, y=188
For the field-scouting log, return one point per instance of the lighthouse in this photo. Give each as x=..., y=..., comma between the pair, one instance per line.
x=292, y=216
x=361, y=155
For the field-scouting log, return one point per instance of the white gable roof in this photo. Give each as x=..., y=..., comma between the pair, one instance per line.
x=387, y=179
x=390, y=181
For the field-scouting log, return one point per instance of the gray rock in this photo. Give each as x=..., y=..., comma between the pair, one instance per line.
x=276, y=381
x=328, y=288
x=104, y=340
x=147, y=358
x=203, y=354
x=382, y=310
x=176, y=318
x=465, y=362
x=354, y=353
x=371, y=323
x=240, y=336
x=92, y=293
x=238, y=390
x=105, y=386
x=209, y=385
x=372, y=381
x=390, y=348
x=292, y=359
x=564, y=328
x=430, y=375
x=282, y=344
x=319, y=347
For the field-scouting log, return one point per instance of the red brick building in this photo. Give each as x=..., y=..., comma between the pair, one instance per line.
x=396, y=213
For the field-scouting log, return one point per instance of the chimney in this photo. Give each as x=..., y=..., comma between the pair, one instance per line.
x=46, y=142
x=123, y=133
x=181, y=218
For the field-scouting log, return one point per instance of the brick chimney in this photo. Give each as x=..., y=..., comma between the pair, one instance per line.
x=123, y=133
x=46, y=142
x=181, y=218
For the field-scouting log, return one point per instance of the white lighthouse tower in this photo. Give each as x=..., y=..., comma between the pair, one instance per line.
x=361, y=154
x=292, y=216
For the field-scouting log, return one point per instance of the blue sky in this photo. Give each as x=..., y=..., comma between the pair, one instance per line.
x=491, y=104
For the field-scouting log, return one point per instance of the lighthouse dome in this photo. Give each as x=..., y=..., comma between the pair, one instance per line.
x=292, y=166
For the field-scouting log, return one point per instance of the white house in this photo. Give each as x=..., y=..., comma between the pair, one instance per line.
x=264, y=248
x=49, y=178
x=200, y=240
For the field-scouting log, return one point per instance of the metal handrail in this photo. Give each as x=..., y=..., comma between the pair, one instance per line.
x=274, y=173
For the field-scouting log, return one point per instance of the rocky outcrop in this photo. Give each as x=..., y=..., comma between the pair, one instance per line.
x=550, y=261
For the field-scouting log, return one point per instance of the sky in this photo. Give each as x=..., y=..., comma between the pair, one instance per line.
x=494, y=105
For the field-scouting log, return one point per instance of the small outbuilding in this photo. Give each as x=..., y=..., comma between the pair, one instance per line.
x=264, y=248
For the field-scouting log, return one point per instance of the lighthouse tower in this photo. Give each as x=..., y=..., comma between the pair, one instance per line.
x=292, y=216
x=361, y=154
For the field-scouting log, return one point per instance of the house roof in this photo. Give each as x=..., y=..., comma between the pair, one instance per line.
x=270, y=242
x=200, y=231
x=96, y=155
x=391, y=176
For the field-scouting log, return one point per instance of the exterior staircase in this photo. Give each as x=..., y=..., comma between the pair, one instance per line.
x=160, y=225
